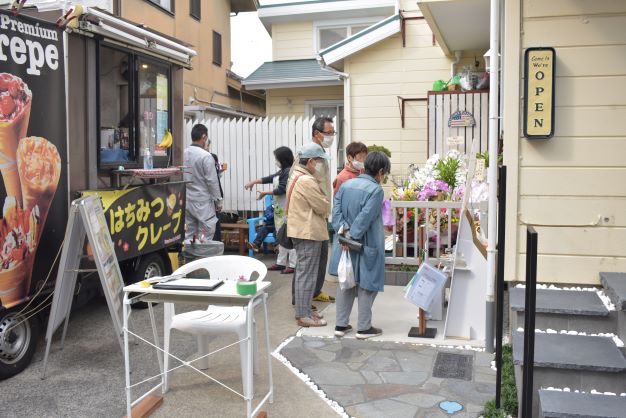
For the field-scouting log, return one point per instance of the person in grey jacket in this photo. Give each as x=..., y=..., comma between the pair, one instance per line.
x=204, y=198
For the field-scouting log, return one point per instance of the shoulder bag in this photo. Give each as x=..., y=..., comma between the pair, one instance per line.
x=281, y=236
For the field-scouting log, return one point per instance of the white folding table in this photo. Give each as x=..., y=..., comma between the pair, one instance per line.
x=225, y=295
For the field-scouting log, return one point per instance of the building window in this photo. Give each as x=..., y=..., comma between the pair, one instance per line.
x=194, y=9
x=134, y=98
x=330, y=35
x=331, y=109
x=217, y=49
x=167, y=5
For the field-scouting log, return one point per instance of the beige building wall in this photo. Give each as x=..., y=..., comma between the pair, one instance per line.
x=572, y=186
x=207, y=78
x=292, y=41
x=292, y=102
x=381, y=73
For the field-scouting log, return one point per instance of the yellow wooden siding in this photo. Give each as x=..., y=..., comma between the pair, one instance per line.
x=382, y=72
x=291, y=102
x=573, y=186
x=292, y=41
x=585, y=210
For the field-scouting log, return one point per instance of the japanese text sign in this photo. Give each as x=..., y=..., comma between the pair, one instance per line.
x=144, y=219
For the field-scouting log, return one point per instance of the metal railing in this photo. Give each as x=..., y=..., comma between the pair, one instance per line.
x=416, y=235
x=529, y=321
x=500, y=280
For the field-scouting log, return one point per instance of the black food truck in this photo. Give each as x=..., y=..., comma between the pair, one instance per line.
x=81, y=108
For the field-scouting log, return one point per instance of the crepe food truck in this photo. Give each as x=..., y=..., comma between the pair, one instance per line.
x=81, y=109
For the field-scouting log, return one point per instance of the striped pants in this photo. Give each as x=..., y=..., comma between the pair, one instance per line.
x=308, y=254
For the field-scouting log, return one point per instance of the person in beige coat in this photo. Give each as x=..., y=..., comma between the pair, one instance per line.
x=307, y=211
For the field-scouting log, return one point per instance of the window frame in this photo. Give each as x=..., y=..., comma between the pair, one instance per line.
x=198, y=17
x=338, y=24
x=136, y=160
x=219, y=64
x=157, y=4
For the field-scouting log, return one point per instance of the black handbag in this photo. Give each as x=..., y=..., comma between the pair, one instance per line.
x=352, y=244
x=283, y=239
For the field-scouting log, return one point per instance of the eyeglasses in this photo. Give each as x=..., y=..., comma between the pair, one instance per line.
x=333, y=132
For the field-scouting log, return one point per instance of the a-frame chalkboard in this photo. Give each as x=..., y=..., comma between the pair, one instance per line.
x=86, y=218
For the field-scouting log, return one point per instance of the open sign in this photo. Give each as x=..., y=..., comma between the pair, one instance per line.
x=539, y=93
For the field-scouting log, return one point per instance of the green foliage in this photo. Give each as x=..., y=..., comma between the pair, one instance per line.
x=492, y=412
x=375, y=147
x=508, y=398
x=485, y=156
x=447, y=168
x=401, y=267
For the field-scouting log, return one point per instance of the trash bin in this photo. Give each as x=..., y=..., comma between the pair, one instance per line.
x=196, y=251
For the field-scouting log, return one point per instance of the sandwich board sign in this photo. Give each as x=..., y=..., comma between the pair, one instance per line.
x=86, y=219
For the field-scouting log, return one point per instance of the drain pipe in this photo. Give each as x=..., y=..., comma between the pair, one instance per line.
x=492, y=172
x=347, y=112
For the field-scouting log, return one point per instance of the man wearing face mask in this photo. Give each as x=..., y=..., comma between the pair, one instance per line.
x=307, y=211
x=323, y=134
x=357, y=215
x=203, y=189
x=355, y=153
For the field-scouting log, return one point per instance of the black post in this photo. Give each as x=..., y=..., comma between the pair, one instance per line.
x=500, y=279
x=529, y=321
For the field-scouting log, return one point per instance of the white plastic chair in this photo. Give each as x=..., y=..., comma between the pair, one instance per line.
x=216, y=319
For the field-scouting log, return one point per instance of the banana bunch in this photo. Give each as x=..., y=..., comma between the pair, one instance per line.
x=166, y=141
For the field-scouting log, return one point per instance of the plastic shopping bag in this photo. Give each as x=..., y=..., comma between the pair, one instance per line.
x=388, y=219
x=346, y=272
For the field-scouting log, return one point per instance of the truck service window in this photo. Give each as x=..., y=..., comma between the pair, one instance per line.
x=134, y=108
x=115, y=106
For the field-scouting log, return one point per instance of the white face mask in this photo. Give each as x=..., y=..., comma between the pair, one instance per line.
x=318, y=168
x=328, y=141
x=358, y=165
x=278, y=164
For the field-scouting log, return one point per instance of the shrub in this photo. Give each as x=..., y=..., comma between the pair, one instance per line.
x=508, y=398
x=379, y=148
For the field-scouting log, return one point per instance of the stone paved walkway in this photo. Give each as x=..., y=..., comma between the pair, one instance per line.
x=392, y=380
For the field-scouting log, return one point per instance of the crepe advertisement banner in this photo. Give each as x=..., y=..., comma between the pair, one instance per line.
x=33, y=190
x=144, y=219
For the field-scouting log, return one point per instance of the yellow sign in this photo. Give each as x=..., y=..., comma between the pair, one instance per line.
x=539, y=93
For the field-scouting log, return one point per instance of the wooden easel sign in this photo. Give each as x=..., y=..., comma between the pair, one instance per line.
x=421, y=292
x=86, y=219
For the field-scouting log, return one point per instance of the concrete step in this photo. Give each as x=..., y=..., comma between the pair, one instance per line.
x=555, y=404
x=570, y=310
x=578, y=362
x=615, y=288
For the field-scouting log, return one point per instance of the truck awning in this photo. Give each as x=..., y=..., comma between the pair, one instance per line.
x=100, y=22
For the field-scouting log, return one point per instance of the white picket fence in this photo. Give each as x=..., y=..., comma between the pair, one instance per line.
x=247, y=146
x=415, y=247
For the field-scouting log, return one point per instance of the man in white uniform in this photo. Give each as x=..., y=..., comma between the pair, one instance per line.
x=204, y=198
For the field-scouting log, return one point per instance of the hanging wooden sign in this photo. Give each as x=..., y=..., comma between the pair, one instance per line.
x=539, y=93
x=461, y=119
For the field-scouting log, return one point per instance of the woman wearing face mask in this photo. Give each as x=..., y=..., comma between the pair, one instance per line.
x=286, y=261
x=307, y=209
x=355, y=153
x=357, y=214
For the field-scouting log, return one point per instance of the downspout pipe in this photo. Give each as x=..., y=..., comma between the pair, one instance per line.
x=492, y=171
x=347, y=94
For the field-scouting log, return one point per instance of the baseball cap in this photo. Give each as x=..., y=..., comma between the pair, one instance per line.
x=312, y=150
